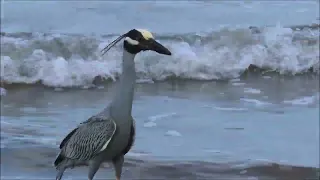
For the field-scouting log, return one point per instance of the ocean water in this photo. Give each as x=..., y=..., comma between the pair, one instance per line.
x=238, y=99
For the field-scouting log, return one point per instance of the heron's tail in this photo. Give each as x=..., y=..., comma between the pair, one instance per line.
x=60, y=173
x=61, y=163
x=58, y=160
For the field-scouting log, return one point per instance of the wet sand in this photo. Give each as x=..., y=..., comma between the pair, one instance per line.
x=36, y=162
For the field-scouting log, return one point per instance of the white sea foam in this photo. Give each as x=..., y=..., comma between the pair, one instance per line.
x=266, y=77
x=137, y=154
x=65, y=60
x=173, y=133
x=3, y=91
x=230, y=109
x=255, y=101
x=303, y=100
x=152, y=119
x=149, y=124
x=235, y=80
x=238, y=84
x=161, y=116
x=252, y=90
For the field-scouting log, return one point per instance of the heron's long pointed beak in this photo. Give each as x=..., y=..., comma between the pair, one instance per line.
x=153, y=45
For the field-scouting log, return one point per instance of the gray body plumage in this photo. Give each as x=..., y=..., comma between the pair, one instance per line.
x=86, y=145
x=89, y=138
x=110, y=134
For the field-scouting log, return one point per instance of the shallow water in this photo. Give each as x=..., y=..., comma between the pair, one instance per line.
x=232, y=102
x=217, y=122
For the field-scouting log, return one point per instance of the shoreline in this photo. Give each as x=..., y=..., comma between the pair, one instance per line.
x=138, y=167
x=252, y=72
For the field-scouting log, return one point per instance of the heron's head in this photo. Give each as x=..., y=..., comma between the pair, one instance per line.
x=142, y=40
x=137, y=40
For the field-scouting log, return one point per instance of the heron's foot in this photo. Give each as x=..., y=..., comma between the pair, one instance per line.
x=93, y=168
x=118, y=163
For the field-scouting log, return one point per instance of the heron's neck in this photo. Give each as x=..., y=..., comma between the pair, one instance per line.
x=122, y=103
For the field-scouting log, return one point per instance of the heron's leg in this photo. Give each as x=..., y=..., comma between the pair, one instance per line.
x=60, y=172
x=118, y=163
x=93, y=168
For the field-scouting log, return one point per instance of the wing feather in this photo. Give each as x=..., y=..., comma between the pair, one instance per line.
x=89, y=138
x=65, y=140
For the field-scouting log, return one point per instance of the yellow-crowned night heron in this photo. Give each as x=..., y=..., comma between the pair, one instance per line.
x=109, y=135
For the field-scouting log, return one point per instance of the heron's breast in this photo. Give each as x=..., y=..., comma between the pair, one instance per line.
x=121, y=138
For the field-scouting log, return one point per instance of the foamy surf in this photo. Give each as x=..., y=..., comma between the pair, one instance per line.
x=307, y=100
x=3, y=91
x=60, y=60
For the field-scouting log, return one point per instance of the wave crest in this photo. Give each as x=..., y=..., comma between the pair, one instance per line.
x=64, y=60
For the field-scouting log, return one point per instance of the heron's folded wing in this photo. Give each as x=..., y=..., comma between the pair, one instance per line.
x=90, y=138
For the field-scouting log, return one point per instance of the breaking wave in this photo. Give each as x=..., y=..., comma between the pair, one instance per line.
x=68, y=60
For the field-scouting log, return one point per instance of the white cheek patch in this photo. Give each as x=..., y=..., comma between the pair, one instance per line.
x=131, y=41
